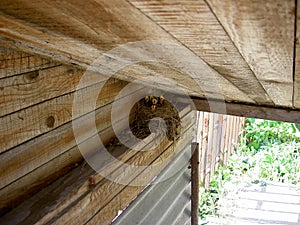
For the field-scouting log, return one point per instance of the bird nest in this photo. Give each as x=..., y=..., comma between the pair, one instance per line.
x=157, y=115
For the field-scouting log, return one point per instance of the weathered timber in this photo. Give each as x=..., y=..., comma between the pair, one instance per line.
x=195, y=183
x=23, y=125
x=69, y=47
x=24, y=158
x=194, y=25
x=27, y=89
x=14, y=62
x=73, y=191
x=106, y=216
x=154, y=204
x=252, y=111
x=84, y=32
x=264, y=34
x=22, y=188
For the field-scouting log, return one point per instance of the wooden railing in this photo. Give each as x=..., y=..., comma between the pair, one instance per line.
x=217, y=135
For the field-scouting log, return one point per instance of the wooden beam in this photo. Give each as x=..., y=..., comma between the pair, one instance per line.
x=71, y=32
x=24, y=186
x=263, y=31
x=244, y=110
x=106, y=191
x=195, y=183
x=15, y=62
x=43, y=117
x=193, y=24
x=68, y=34
x=296, y=89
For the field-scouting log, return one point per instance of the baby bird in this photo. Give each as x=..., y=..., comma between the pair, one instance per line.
x=147, y=101
x=153, y=108
x=154, y=100
x=161, y=100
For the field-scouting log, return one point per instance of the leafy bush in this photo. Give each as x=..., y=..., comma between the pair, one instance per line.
x=268, y=151
x=261, y=134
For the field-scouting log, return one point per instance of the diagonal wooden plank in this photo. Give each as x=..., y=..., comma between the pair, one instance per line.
x=33, y=26
x=73, y=31
x=193, y=24
x=297, y=62
x=263, y=31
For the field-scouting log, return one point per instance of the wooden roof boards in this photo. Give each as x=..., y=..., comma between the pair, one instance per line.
x=246, y=48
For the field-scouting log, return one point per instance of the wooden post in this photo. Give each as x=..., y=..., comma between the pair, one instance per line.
x=195, y=183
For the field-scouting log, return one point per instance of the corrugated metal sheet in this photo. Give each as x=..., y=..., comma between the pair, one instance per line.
x=166, y=201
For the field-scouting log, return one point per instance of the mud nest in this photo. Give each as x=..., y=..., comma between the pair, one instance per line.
x=155, y=114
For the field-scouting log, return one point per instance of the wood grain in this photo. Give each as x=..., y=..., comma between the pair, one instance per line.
x=27, y=89
x=70, y=190
x=15, y=62
x=264, y=34
x=24, y=158
x=208, y=84
x=78, y=33
x=194, y=25
x=81, y=41
x=104, y=193
x=246, y=110
x=30, y=122
x=22, y=188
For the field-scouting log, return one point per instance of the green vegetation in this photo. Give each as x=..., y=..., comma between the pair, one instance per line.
x=269, y=152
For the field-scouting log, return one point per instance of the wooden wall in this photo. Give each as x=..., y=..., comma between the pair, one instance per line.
x=85, y=197
x=37, y=143
x=218, y=135
x=167, y=201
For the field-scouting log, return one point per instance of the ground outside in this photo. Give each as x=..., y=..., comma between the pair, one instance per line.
x=275, y=203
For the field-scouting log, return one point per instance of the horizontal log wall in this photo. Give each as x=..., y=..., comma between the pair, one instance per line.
x=218, y=135
x=37, y=143
x=84, y=196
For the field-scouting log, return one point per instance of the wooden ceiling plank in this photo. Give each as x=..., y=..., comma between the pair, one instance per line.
x=263, y=31
x=297, y=61
x=101, y=24
x=22, y=29
x=192, y=23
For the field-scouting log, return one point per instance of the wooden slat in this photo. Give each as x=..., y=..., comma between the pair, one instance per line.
x=77, y=33
x=24, y=158
x=193, y=24
x=77, y=184
x=205, y=148
x=178, y=204
x=22, y=188
x=30, y=122
x=296, y=89
x=195, y=183
x=155, y=202
x=202, y=146
x=263, y=31
x=214, y=141
x=220, y=133
x=104, y=193
x=223, y=139
x=15, y=62
x=31, y=26
x=28, y=89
